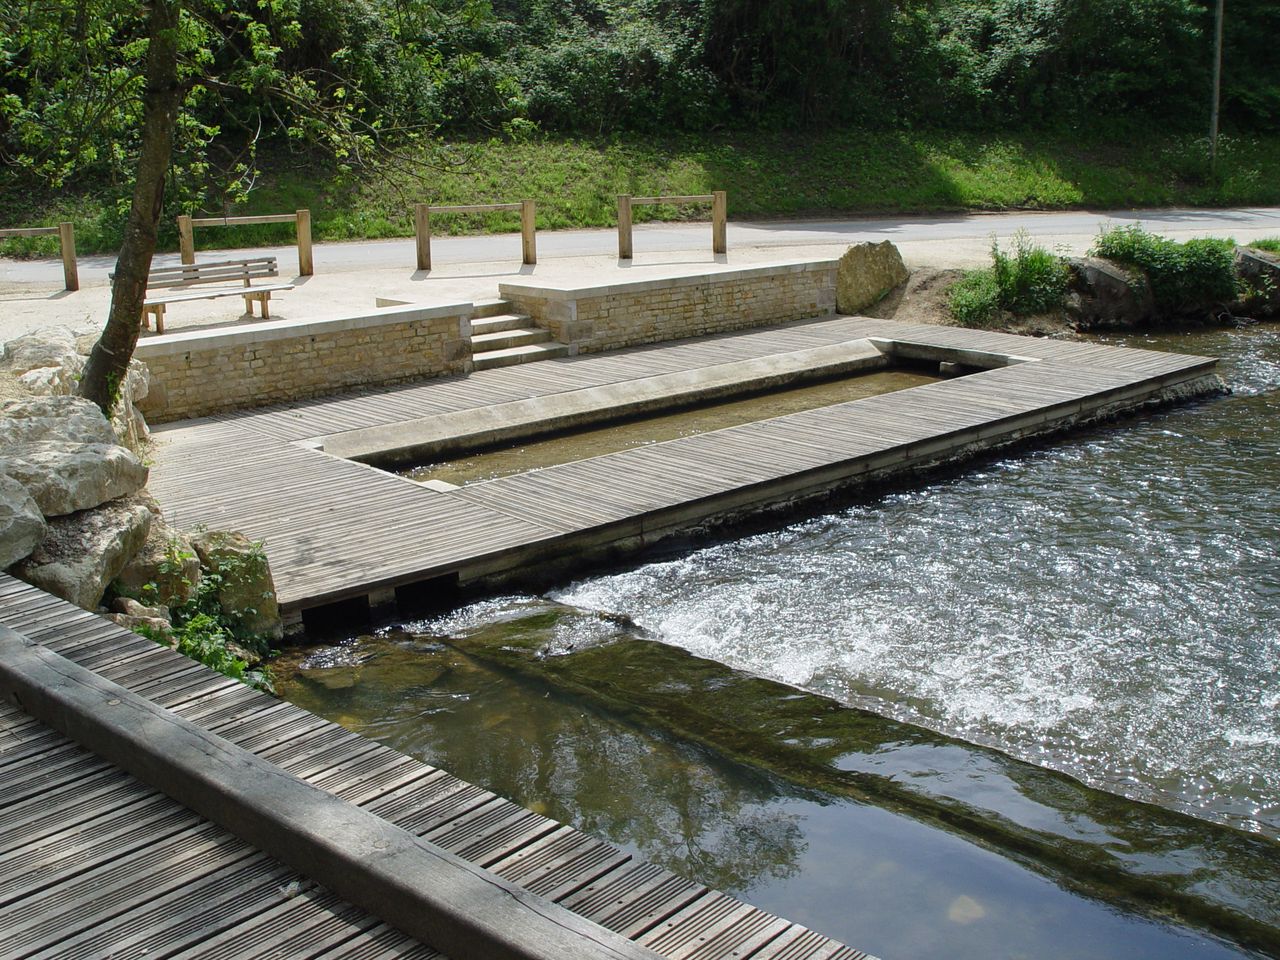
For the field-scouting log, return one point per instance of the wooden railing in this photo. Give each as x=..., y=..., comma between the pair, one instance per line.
x=719, y=216
x=302, y=218
x=66, y=240
x=422, y=226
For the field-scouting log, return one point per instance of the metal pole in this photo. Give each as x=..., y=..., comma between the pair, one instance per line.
x=1217, y=88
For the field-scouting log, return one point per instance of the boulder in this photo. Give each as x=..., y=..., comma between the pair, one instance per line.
x=52, y=381
x=22, y=526
x=1261, y=273
x=247, y=594
x=867, y=272
x=83, y=552
x=134, y=608
x=65, y=477
x=155, y=627
x=1105, y=294
x=166, y=570
x=44, y=348
x=72, y=419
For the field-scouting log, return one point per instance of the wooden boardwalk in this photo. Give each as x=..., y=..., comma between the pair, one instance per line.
x=336, y=529
x=94, y=863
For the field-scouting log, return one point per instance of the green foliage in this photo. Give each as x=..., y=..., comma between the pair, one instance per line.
x=1032, y=280
x=1183, y=276
x=975, y=299
x=1270, y=244
x=202, y=630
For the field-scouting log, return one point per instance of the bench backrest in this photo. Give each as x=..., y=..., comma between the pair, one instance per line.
x=217, y=271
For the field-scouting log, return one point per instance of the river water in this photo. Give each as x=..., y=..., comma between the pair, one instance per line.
x=1021, y=646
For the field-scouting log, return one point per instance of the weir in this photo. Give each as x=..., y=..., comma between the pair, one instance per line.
x=340, y=531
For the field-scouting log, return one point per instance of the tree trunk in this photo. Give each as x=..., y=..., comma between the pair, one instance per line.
x=109, y=361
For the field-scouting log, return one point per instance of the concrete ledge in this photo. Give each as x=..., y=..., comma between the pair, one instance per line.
x=552, y=290
x=272, y=330
x=419, y=888
x=424, y=437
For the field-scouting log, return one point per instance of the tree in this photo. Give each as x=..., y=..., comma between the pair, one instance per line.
x=109, y=359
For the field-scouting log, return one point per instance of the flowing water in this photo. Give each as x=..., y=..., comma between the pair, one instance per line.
x=1021, y=646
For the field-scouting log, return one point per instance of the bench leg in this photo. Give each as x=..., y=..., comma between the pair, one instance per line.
x=157, y=311
x=261, y=299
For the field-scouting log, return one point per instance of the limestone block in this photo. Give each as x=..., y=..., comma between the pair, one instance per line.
x=65, y=477
x=44, y=348
x=1105, y=294
x=1261, y=273
x=22, y=526
x=247, y=593
x=83, y=552
x=72, y=419
x=867, y=272
x=167, y=563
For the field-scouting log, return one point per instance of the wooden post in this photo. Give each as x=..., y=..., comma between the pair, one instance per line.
x=186, y=239
x=528, y=231
x=624, y=226
x=305, y=265
x=719, y=216
x=67, y=240
x=422, y=231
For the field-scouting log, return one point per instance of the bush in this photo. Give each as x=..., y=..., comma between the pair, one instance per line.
x=1183, y=276
x=1032, y=280
x=975, y=299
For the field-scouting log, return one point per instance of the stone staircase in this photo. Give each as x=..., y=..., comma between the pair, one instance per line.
x=501, y=338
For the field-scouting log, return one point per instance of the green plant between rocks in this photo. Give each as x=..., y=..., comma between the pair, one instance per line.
x=202, y=629
x=1269, y=244
x=1032, y=280
x=1183, y=276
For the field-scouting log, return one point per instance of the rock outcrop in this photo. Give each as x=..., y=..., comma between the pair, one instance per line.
x=42, y=350
x=83, y=552
x=64, y=477
x=22, y=525
x=37, y=419
x=167, y=564
x=865, y=273
x=1260, y=272
x=247, y=594
x=1102, y=294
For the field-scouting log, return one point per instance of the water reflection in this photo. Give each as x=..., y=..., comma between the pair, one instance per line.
x=842, y=819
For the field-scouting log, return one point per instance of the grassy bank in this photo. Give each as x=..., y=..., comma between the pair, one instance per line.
x=768, y=174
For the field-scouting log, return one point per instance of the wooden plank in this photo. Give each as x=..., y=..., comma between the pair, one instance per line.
x=8, y=232
x=244, y=221
x=474, y=207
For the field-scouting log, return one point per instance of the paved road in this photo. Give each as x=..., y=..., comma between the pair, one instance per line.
x=379, y=254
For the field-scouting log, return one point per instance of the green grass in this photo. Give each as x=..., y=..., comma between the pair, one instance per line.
x=767, y=174
x=1270, y=244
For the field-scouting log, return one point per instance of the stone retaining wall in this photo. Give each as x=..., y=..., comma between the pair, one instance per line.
x=596, y=318
x=202, y=372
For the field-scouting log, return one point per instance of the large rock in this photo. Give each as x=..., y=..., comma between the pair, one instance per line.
x=85, y=551
x=247, y=594
x=166, y=570
x=1261, y=273
x=867, y=272
x=65, y=477
x=44, y=348
x=22, y=526
x=1103, y=294
x=72, y=419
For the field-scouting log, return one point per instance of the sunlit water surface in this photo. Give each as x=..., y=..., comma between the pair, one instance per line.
x=1108, y=605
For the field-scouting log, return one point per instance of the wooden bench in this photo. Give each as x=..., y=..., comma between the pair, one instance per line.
x=186, y=275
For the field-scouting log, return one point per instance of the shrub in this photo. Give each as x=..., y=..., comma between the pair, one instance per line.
x=1182, y=275
x=975, y=299
x=1033, y=280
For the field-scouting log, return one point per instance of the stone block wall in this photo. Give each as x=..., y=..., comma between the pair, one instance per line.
x=590, y=319
x=197, y=373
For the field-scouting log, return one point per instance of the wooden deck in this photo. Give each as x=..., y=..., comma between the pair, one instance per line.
x=336, y=529
x=94, y=863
